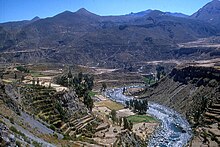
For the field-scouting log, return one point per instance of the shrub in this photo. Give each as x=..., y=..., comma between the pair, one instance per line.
x=18, y=143
x=13, y=129
x=23, y=69
x=11, y=120
x=55, y=135
x=36, y=144
x=53, y=127
x=213, y=83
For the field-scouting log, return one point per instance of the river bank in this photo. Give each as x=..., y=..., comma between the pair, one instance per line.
x=174, y=130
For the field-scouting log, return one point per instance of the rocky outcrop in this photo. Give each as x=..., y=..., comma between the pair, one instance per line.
x=10, y=99
x=127, y=138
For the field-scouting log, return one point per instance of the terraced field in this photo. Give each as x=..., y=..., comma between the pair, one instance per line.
x=212, y=117
x=40, y=101
x=62, y=110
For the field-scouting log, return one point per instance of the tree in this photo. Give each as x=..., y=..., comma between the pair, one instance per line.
x=22, y=78
x=90, y=104
x=33, y=81
x=127, y=124
x=131, y=102
x=75, y=81
x=130, y=125
x=113, y=114
x=139, y=106
x=120, y=121
x=15, y=76
x=80, y=77
x=104, y=87
x=125, y=121
x=89, y=81
x=123, y=91
x=88, y=101
x=127, y=104
x=160, y=72
x=49, y=84
x=1, y=75
x=38, y=81
x=70, y=74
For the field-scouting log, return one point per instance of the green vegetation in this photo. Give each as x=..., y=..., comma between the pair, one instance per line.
x=113, y=116
x=88, y=101
x=53, y=127
x=127, y=124
x=11, y=120
x=67, y=137
x=149, y=80
x=13, y=129
x=18, y=143
x=36, y=144
x=110, y=104
x=141, y=118
x=104, y=87
x=22, y=69
x=160, y=72
x=45, y=103
x=36, y=74
x=85, y=139
x=139, y=106
x=82, y=83
x=92, y=93
x=1, y=121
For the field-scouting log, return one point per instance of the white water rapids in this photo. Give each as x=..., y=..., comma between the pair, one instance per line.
x=174, y=130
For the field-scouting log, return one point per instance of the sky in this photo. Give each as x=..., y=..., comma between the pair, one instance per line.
x=15, y=10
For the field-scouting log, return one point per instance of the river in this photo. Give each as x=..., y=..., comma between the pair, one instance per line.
x=174, y=130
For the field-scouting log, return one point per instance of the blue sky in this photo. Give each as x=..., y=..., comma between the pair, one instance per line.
x=13, y=10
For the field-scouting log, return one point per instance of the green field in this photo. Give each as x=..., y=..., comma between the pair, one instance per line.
x=92, y=93
x=110, y=104
x=141, y=118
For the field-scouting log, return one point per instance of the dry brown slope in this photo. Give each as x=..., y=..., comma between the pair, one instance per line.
x=195, y=93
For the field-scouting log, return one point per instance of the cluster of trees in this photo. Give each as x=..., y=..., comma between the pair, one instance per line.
x=160, y=72
x=82, y=83
x=126, y=123
x=88, y=101
x=139, y=106
x=23, y=69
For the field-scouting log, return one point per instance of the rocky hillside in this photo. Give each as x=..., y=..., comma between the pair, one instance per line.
x=194, y=92
x=209, y=13
x=85, y=38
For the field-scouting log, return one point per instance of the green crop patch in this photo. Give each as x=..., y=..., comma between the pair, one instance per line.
x=141, y=118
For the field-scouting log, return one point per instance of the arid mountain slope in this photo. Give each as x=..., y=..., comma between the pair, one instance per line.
x=209, y=13
x=184, y=88
x=86, y=38
x=194, y=92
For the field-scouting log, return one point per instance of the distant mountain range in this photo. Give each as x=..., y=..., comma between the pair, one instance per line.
x=85, y=38
x=142, y=13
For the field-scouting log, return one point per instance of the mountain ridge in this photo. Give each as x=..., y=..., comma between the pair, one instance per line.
x=82, y=37
x=209, y=13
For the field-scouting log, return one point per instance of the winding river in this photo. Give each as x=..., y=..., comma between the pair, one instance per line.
x=174, y=130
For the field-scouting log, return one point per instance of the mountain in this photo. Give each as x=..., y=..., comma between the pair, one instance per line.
x=144, y=13
x=83, y=37
x=209, y=13
x=176, y=14
x=35, y=19
x=18, y=24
